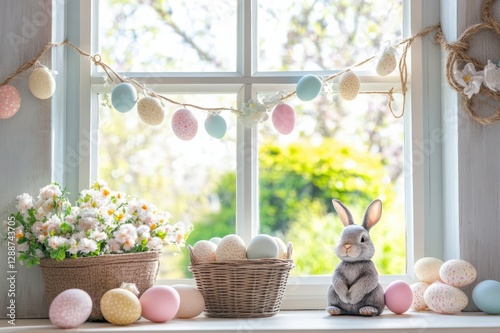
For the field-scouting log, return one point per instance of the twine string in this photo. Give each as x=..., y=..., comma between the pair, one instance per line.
x=114, y=77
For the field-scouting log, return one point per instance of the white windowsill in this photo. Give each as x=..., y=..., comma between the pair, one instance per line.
x=292, y=321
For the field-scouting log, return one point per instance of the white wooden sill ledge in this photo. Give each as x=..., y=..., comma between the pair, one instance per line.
x=290, y=321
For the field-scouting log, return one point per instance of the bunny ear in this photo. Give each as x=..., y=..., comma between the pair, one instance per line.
x=343, y=213
x=372, y=214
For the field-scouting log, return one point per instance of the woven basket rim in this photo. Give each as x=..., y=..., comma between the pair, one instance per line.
x=99, y=260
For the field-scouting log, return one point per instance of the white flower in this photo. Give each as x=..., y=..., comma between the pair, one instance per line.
x=155, y=244
x=98, y=235
x=52, y=224
x=22, y=247
x=55, y=242
x=492, y=76
x=72, y=246
x=114, y=246
x=87, y=245
x=253, y=112
x=24, y=202
x=126, y=232
x=470, y=79
x=49, y=192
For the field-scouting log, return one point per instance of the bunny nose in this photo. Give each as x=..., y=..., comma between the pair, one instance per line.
x=347, y=246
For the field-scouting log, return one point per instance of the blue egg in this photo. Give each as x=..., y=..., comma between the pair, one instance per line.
x=486, y=296
x=216, y=126
x=308, y=87
x=124, y=97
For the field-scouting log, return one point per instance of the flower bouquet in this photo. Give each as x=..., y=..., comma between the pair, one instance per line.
x=104, y=239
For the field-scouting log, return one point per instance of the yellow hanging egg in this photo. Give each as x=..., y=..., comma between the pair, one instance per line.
x=41, y=83
x=349, y=85
x=150, y=111
x=120, y=307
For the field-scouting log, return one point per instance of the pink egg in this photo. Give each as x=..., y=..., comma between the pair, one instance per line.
x=10, y=101
x=283, y=118
x=184, y=124
x=398, y=297
x=70, y=308
x=160, y=303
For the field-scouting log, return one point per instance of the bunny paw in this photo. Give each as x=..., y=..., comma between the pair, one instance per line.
x=333, y=310
x=368, y=311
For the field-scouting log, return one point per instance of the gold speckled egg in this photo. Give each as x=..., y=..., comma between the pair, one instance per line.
x=349, y=85
x=120, y=307
x=150, y=111
x=41, y=83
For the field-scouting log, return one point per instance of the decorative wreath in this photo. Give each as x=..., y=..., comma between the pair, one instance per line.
x=475, y=77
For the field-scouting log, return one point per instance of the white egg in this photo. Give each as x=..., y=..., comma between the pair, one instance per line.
x=386, y=64
x=231, y=247
x=349, y=85
x=457, y=273
x=192, y=301
x=215, y=240
x=204, y=251
x=41, y=83
x=262, y=246
x=282, y=249
x=442, y=298
x=418, y=289
x=427, y=269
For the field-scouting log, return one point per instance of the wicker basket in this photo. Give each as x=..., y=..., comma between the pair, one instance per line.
x=242, y=288
x=96, y=275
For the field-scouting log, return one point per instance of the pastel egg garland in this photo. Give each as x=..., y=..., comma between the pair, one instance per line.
x=150, y=111
x=283, y=118
x=184, y=124
x=308, y=87
x=124, y=97
x=216, y=126
x=41, y=83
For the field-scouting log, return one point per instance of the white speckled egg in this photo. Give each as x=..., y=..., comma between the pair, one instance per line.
x=442, y=298
x=192, y=301
x=120, y=307
x=349, y=85
x=231, y=247
x=418, y=289
x=262, y=246
x=282, y=250
x=427, y=269
x=150, y=111
x=204, y=251
x=70, y=308
x=457, y=273
x=386, y=63
x=41, y=83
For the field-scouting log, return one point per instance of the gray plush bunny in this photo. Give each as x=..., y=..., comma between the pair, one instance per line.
x=355, y=288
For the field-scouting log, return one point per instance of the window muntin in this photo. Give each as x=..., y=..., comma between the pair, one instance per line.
x=305, y=116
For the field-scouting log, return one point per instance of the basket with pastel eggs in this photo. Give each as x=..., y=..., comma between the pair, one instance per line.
x=239, y=281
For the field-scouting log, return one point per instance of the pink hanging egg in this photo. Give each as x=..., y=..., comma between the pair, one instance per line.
x=10, y=101
x=184, y=124
x=283, y=118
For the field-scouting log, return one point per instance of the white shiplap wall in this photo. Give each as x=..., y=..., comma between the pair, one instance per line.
x=25, y=139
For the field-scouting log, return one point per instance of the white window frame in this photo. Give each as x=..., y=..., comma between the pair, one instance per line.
x=423, y=197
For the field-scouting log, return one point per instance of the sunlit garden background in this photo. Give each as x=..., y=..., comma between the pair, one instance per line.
x=352, y=151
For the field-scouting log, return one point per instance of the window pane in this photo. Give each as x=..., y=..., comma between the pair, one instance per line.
x=186, y=178
x=168, y=36
x=317, y=35
x=352, y=151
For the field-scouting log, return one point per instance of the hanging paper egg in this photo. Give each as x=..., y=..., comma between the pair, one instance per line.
x=184, y=124
x=41, y=83
x=124, y=97
x=349, y=85
x=283, y=118
x=386, y=63
x=216, y=126
x=150, y=111
x=308, y=87
x=10, y=101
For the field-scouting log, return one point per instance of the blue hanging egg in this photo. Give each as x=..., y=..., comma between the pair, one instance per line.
x=124, y=97
x=308, y=87
x=216, y=126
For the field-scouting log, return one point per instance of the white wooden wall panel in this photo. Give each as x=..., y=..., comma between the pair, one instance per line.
x=479, y=166
x=25, y=139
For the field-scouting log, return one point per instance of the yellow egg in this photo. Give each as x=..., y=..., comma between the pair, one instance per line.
x=427, y=269
x=349, y=85
x=282, y=250
x=192, y=302
x=150, y=111
x=120, y=307
x=231, y=247
x=41, y=83
x=204, y=251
